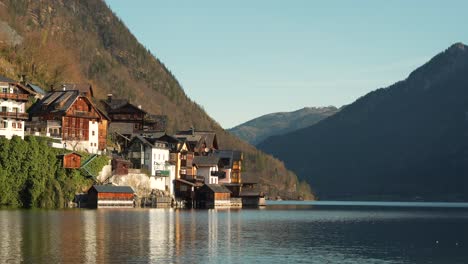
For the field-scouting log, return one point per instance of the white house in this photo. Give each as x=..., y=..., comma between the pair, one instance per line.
x=153, y=155
x=207, y=167
x=13, y=97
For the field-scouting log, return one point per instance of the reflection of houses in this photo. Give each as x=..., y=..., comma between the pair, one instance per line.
x=128, y=119
x=72, y=118
x=109, y=196
x=213, y=195
x=71, y=160
x=153, y=155
x=13, y=97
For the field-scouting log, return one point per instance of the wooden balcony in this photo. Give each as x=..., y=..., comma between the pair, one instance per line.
x=15, y=115
x=14, y=96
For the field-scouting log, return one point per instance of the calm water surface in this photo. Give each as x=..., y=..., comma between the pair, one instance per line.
x=280, y=233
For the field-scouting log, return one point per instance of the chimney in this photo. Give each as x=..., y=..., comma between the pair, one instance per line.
x=192, y=129
x=139, y=106
x=23, y=79
x=52, y=88
x=109, y=97
x=64, y=88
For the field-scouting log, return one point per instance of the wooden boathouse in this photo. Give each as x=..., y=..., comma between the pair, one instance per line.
x=109, y=196
x=213, y=195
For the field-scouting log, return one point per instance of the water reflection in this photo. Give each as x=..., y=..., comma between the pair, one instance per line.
x=274, y=235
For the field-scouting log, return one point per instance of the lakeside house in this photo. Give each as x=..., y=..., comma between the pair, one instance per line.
x=207, y=168
x=153, y=155
x=109, y=196
x=13, y=114
x=70, y=117
x=213, y=196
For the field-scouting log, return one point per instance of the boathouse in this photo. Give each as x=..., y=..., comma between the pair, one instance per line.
x=109, y=196
x=70, y=160
x=213, y=195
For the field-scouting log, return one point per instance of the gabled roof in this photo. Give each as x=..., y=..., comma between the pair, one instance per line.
x=112, y=189
x=217, y=188
x=81, y=87
x=195, y=139
x=36, y=88
x=7, y=80
x=120, y=105
x=70, y=153
x=59, y=102
x=229, y=155
x=150, y=142
x=205, y=161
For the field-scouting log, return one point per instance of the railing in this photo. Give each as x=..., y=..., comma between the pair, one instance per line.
x=14, y=115
x=14, y=96
x=220, y=174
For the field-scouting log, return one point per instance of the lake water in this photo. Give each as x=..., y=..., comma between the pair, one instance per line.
x=324, y=232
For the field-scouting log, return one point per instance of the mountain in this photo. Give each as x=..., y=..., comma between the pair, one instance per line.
x=260, y=128
x=405, y=142
x=83, y=41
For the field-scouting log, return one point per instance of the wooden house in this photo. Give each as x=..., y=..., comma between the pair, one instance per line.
x=109, y=196
x=207, y=168
x=128, y=119
x=71, y=160
x=71, y=117
x=213, y=195
x=201, y=143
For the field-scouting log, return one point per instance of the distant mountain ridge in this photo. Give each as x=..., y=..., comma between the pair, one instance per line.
x=405, y=142
x=260, y=128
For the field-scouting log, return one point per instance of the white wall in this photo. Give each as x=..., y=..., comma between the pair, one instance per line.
x=9, y=132
x=228, y=176
x=93, y=142
x=206, y=172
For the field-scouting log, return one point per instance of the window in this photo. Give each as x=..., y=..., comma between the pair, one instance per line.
x=5, y=90
x=92, y=133
x=4, y=109
x=4, y=124
x=20, y=125
x=136, y=126
x=13, y=125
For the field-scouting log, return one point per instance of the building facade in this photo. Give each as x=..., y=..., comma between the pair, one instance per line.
x=13, y=99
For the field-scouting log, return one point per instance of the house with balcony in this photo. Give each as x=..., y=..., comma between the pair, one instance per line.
x=13, y=99
x=207, y=168
x=152, y=156
x=72, y=119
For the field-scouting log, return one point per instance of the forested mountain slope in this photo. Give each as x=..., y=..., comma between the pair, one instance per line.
x=76, y=41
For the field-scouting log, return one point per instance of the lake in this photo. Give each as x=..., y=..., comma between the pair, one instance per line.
x=283, y=232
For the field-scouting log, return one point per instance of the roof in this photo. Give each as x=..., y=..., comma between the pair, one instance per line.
x=228, y=156
x=66, y=154
x=112, y=189
x=195, y=139
x=5, y=79
x=250, y=193
x=59, y=102
x=151, y=142
x=195, y=184
x=250, y=177
x=217, y=188
x=120, y=105
x=36, y=88
x=205, y=160
x=81, y=87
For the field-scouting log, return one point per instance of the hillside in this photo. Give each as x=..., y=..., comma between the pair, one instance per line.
x=405, y=142
x=82, y=41
x=260, y=128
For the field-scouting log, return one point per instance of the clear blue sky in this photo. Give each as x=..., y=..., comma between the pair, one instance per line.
x=242, y=59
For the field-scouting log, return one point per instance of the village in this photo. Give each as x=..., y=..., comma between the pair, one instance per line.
x=147, y=166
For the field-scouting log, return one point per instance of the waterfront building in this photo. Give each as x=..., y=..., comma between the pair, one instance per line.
x=13, y=99
x=71, y=160
x=109, y=196
x=213, y=195
x=207, y=168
